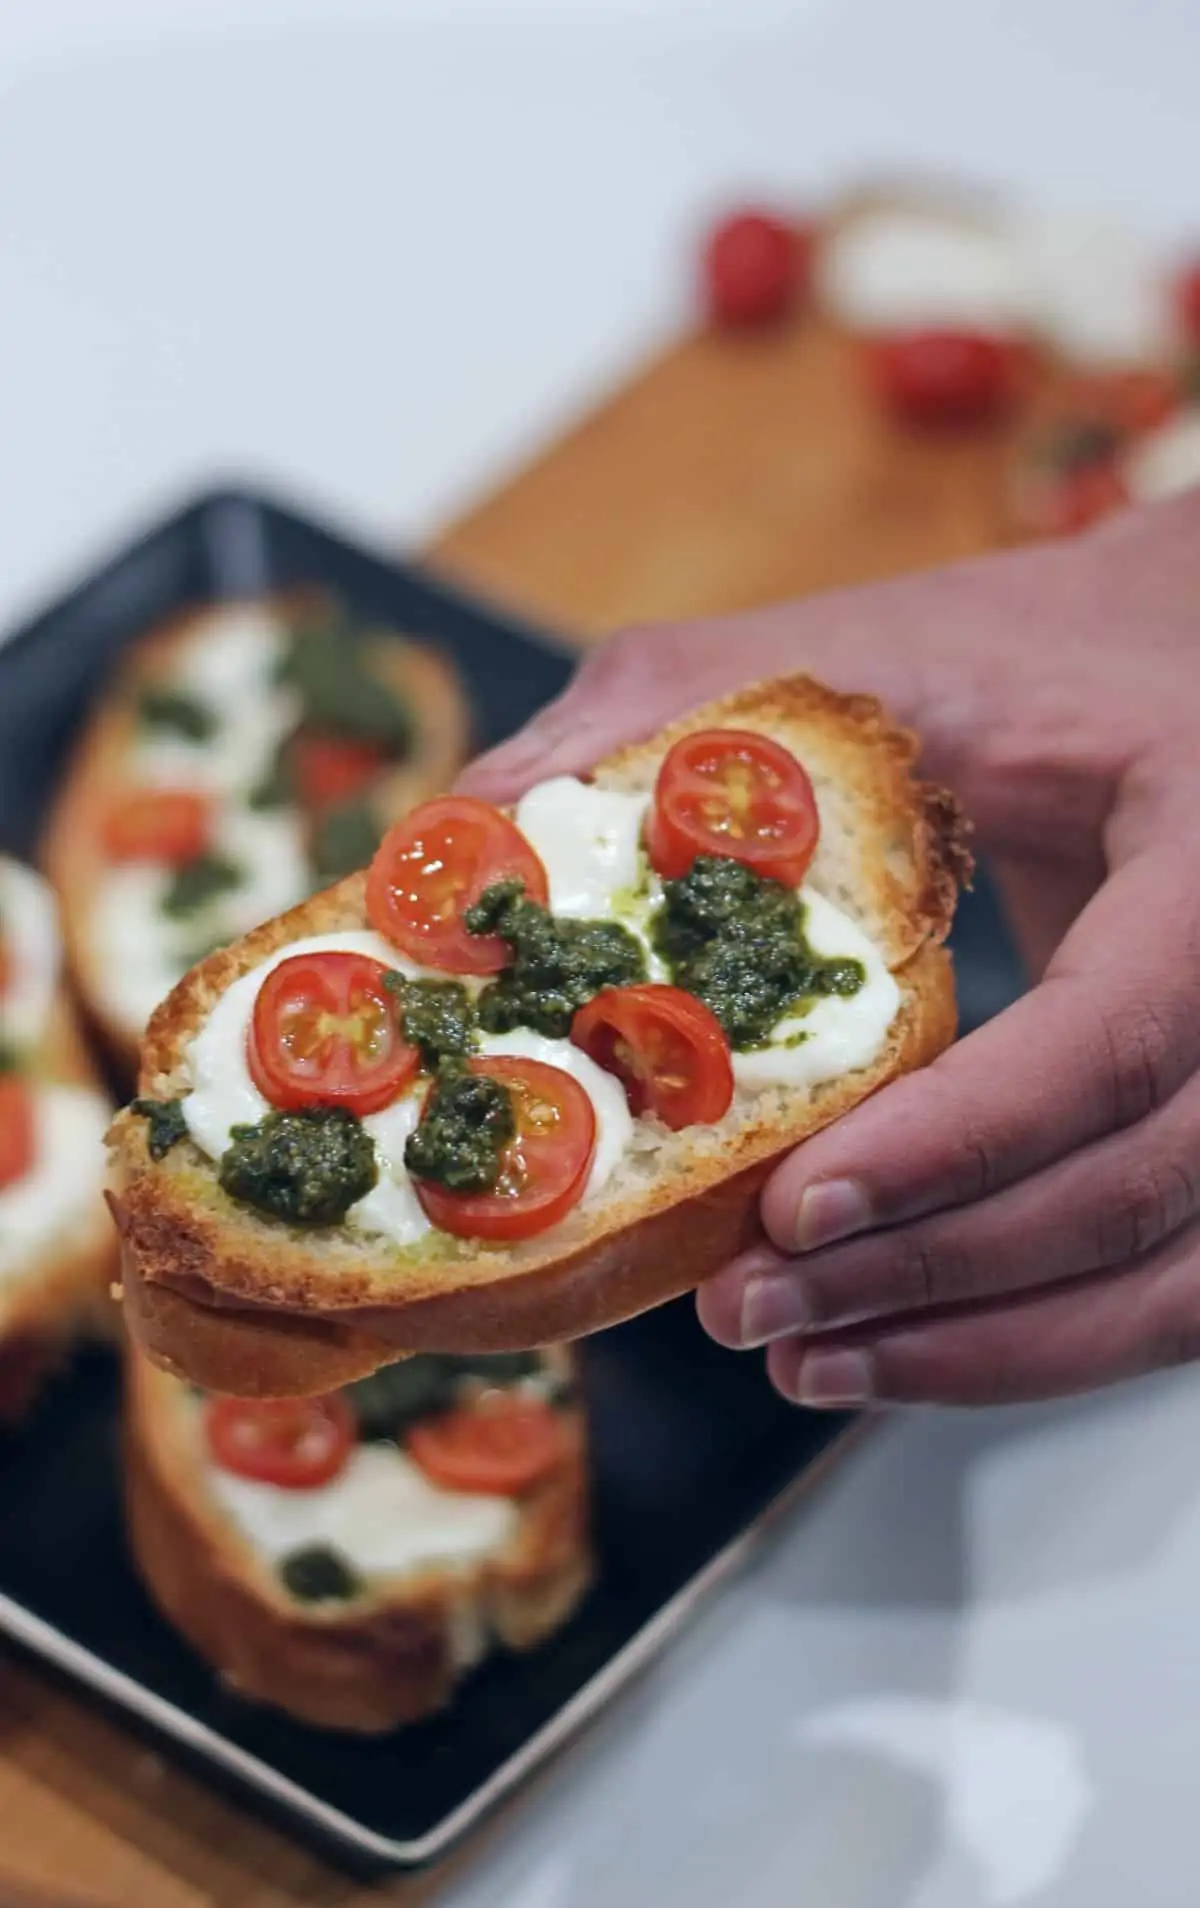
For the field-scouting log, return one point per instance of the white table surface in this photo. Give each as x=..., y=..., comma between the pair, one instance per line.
x=373, y=251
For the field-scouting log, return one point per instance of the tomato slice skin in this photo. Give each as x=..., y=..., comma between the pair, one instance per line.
x=432, y=866
x=499, y=1446
x=331, y=768
x=1187, y=299
x=667, y=1048
x=297, y=1444
x=326, y=1031
x=733, y=793
x=172, y=825
x=17, y=1139
x=545, y=1167
x=755, y=268
x=944, y=377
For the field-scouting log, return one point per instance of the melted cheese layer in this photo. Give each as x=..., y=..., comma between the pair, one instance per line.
x=29, y=933
x=382, y=1514
x=65, y=1179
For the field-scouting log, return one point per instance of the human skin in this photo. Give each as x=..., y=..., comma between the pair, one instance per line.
x=1019, y=1219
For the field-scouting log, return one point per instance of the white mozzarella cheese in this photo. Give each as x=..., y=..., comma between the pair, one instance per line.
x=65, y=1179
x=905, y=268
x=1100, y=293
x=32, y=953
x=382, y=1514
x=835, y=1036
x=588, y=840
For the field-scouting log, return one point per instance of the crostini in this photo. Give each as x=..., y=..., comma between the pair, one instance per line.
x=348, y=1559
x=526, y=1076
x=245, y=755
x=58, y=1255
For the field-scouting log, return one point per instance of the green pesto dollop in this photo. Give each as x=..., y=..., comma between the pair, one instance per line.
x=175, y=710
x=319, y=1574
x=339, y=693
x=307, y=1167
x=736, y=940
x=165, y=1124
x=344, y=839
x=198, y=882
x=10, y=1058
x=557, y=966
x=439, y=1017
x=467, y=1122
x=391, y=1399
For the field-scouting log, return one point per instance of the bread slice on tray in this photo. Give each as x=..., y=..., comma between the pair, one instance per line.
x=264, y=777
x=360, y=1602
x=58, y=1255
x=221, y=1291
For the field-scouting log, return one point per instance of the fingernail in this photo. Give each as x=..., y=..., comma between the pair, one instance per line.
x=773, y=1304
x=832, y=1209
x=828, y=1379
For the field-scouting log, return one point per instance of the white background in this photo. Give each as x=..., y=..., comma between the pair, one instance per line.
x=374, y=253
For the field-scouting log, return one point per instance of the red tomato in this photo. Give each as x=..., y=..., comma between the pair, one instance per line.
x=944, y=377
x=1126, y=401
x=501, y=1446
x=755, y=268
x=1081, y=498
x=1187, y=297
x=545, y=1166
x=729, y=792
x=297, y=1444
x=158, y=824
x=331, y=768
x=16, y=1127
x=666, y=1047
x=430, y=868
x=326, y=1032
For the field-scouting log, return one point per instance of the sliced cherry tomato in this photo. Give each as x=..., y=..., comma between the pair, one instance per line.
x=501, y=1445
x=729, y=792
x=1082, y=497
x=326, y=1032
x=158, y=824
x=1128, y=402
x=16, y=1128
x=298, y=1444
x=666, y=1047
x=332, y=768
x=1187, y=298
x=432, y=866
x=545, y=1166
x=943, y=377
x=756, y=267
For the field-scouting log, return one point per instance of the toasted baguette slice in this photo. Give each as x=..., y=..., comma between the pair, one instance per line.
x=891, y=855
x=386, y=1657
x=63, y=1292
x=71, y=848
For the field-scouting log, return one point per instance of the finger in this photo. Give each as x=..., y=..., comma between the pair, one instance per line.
x=621, y=692
x=1070, y=1338
x=1111, y=1033
x=1106, y=1205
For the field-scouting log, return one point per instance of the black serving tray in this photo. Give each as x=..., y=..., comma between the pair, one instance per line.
x=692, y=1449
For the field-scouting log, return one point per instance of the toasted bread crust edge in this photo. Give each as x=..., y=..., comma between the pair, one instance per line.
x=69, y=851
x=366, y=1670
x=673, y=1241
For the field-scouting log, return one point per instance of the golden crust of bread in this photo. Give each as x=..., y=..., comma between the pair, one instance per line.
x=900, y=859
x=70, y=849
x=368, y=1667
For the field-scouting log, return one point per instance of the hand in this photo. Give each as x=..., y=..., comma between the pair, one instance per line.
x=1020, y=1218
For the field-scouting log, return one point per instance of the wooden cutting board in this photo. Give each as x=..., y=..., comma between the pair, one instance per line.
x=729, y=472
